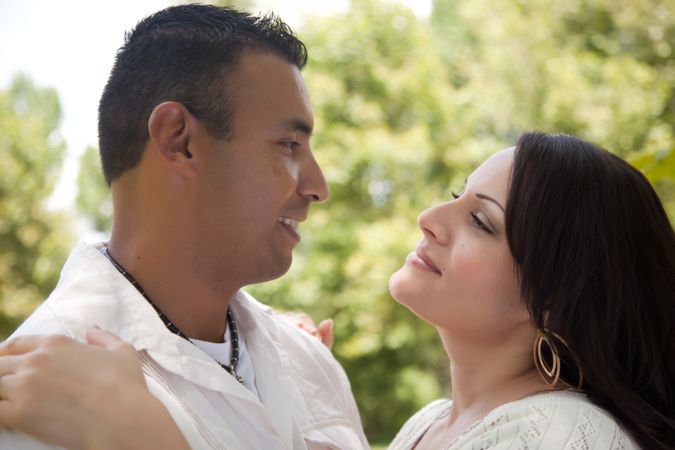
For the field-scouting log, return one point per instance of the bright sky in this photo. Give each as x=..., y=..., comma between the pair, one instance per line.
x=70, y=45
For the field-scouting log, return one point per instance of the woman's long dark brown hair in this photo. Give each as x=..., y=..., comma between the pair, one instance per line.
x=595, y=253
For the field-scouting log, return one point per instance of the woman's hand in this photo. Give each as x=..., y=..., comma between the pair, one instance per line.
x=323, y=332
x=82, y=396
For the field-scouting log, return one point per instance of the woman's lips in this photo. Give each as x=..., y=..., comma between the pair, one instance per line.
x=420, y=259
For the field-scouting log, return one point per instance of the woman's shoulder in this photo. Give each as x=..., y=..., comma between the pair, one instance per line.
x=562, y=419
x=415, y=427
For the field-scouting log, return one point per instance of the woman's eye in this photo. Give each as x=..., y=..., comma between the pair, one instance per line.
x=479, y=223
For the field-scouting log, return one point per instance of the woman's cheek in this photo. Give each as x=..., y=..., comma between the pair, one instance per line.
x=468, y=263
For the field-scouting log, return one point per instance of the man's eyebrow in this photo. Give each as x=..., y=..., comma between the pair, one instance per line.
x=490, y=199
x=298, y=125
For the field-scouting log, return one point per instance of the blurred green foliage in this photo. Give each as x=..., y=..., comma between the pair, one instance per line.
x=33, y=240
x=93, y=193
x=405, y=109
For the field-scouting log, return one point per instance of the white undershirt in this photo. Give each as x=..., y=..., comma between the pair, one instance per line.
x=222, y=351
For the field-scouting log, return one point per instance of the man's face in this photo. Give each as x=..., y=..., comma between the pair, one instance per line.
x=256, y=185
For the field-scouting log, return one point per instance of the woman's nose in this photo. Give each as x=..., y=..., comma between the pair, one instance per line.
x=431, y=223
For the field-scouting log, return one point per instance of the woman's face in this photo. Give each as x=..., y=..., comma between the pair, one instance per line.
x=461, y=277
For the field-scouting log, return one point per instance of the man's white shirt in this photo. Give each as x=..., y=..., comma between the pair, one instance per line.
x=303, y=399
x=222, y=352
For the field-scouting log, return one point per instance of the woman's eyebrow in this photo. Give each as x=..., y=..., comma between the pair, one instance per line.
x=490, y=199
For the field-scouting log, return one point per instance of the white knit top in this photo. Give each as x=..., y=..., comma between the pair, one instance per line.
x=553, y=420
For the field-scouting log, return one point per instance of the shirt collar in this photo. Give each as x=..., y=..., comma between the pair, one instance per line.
x=92, y=291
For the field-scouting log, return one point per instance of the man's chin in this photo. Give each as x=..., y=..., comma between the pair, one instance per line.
x=272, y=271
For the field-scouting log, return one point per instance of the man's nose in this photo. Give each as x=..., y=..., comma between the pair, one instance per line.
x=313, y=186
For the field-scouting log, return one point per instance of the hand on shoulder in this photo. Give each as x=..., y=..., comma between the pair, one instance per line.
x=79, y=396
x=323, y=331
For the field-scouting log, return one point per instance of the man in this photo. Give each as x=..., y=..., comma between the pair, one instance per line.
x=204, y=129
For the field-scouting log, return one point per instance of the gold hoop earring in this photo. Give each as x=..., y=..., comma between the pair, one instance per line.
x=550, y=373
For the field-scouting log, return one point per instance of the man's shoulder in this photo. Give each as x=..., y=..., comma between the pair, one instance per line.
x=248, y=301
x=289, y=336
x=310, y=361
x=43, y=321
x=83, y=296
x=319, y=381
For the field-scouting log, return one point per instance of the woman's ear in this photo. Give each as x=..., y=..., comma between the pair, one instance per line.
x=170, y=135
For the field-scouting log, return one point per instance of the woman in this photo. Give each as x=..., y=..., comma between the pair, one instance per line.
x=551, y=281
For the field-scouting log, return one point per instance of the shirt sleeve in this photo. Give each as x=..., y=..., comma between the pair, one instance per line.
x=333, y=419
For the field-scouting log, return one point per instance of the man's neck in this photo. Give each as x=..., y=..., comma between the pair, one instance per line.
x=195, y=306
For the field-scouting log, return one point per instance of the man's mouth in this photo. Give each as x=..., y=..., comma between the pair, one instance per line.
x=291, y=226
x=292, y=223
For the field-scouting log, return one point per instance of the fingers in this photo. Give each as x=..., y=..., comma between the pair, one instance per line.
x=22, y=344
x=9, y=364
x=325, y=330
x=32, y=355
x=19, y=378
x=26, y=344
x=4, y=411
x=7, y=413
x=103, y=338
x=301, y=320
x=8, y=384
x=109, y=341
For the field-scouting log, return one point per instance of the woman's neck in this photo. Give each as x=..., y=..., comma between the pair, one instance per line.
x=484, y=375
x=487, y=375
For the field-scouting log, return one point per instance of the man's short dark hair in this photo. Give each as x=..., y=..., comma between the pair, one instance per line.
x=185, y=54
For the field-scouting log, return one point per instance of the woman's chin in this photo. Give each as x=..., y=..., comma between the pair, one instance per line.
x=399, y=285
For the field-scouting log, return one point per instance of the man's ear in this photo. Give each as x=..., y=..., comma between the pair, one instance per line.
x=170, y=135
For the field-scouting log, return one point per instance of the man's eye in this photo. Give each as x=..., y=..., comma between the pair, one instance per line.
x=291, y=145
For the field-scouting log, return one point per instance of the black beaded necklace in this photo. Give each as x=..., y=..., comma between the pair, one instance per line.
x=234, y=334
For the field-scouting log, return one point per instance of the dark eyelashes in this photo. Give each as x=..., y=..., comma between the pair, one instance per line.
x=479, y=223
x=291, y=145
x=474, y=217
